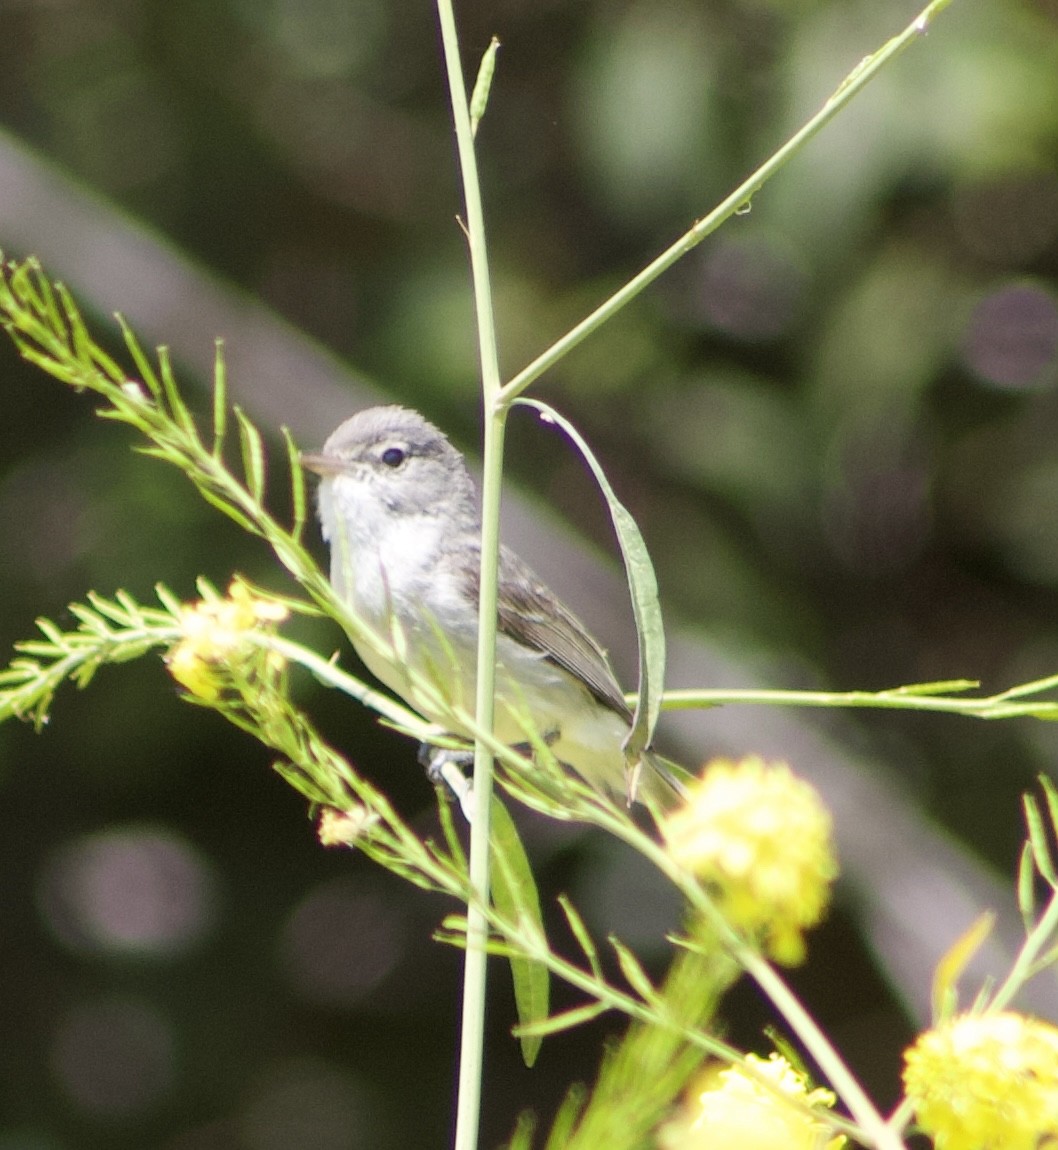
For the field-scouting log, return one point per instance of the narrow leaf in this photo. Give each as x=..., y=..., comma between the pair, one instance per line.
x=80, y=341
x=253, y=459
x=108, y=366
x=524, y=1129
x=566, y=1120
x=448, y=827
x=1041, y=848
x=580, y=933
x=516, y=897
x=50, y=631
x=228, y=508
x=1027, y=887
x=1046, y=959
x=954, y=962
x=1032, y=688
x=479, y=99
x=633, y=971
x=33, y=290
x=941, y=687
x=220, y=399
x=47, y=363
x=143, y=364
x=564, y=1021
x=297, y=484
x=1050, y=793
x=177, y=408
x=168, y=600
x=643, y=586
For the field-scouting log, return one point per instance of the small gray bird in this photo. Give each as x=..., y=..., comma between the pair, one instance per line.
x=401, y=514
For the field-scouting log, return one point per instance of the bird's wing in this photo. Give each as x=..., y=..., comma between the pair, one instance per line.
x=530, y=613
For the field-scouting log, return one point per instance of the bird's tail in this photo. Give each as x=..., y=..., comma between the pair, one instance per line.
x=663, y=780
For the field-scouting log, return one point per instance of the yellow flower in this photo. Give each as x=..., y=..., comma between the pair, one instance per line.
x=760, y=839
x=986, y=1082
x=737, y=1111
x=214, y=630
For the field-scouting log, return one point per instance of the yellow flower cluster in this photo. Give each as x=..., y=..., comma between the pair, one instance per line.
x=986, y=1082
x=737, y=1110
x=214, y=631
x=760, y=839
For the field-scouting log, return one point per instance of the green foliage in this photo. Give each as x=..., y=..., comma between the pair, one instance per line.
x=248, y=685
x=517, y=899
x=236, y=662
x=239, y=668
x=109, y=631
x=643, y=585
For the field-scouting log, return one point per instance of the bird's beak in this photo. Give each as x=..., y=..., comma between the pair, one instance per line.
x=321, y=464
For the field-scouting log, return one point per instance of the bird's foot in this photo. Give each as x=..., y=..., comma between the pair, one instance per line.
x=444, y=765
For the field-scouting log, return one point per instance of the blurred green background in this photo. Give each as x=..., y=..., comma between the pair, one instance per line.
x=836, y=423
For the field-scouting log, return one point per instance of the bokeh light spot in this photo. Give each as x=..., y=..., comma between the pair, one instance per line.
x=114, y=1057
x=44, y=513
x=309, y=1103
x=1009, y=218
x=750, y=288
x=140, y=890
x=326, y=38
x=1012, y=337
x=342, y=941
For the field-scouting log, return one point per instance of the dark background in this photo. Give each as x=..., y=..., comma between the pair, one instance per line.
x=835, y=423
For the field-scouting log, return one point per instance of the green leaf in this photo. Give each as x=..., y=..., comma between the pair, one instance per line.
x=479, y=99
x=253, y=457
x=633, y=971
x=954, y=962
x=941, y=687
x=577, y=1016
x=297, y=484
x=524, y=1129
x=79, y=340
x=143, y=364
x=221, y=504
x=177, y=408
x=220, y=399
x=1050, y=793
x=1038, y=839
x=516, y=897
x=569, y=1114
x=643, y=585
x=1026, y=887
x=580, y=933
x=168, y=600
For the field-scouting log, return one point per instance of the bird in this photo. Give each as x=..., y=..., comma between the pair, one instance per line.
x=401, y=514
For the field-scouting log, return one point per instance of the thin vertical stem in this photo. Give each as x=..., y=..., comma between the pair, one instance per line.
x=472, y=1039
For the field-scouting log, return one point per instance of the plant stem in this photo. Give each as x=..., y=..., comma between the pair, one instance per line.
x=472, y=1042
x=1006, y=704
x=1023, y=969
x=738, y=200
x=845, y=1084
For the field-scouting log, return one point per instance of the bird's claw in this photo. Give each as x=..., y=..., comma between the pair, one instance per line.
x=447, y=766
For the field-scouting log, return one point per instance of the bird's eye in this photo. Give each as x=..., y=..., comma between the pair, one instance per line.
x=393, y=456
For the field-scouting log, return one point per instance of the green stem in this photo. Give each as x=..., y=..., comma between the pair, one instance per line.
x=1003, y=705
x=803, y=1025
x=1042, y=935
x=865, y=71
x=846, y=1086
x=472, y=1042
x=327, y=671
